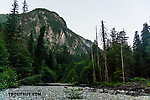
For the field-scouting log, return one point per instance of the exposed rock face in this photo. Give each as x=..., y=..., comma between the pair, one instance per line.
x=57, y=35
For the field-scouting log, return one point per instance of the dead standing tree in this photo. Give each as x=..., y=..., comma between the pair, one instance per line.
x=94, y=74
x=104, y=47
x=98, y=64
x=122, y=41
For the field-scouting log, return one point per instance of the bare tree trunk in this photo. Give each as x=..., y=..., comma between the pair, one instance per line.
x=99, y=67
x=105, y=55
x=94, y=74
x=122, y=63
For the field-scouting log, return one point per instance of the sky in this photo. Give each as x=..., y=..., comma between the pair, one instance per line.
x=82, y=16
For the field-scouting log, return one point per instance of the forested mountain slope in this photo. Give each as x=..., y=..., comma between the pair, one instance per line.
x=57, y=34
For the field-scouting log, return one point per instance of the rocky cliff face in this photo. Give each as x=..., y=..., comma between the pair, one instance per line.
x=57, y=35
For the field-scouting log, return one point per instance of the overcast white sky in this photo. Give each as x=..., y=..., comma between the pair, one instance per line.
x=82, y=16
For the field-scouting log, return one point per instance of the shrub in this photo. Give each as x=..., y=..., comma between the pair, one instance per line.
x=139, y=79
x=73, y=93
x=72, y=76
x=86, y=74
x=8, y=78
x=30, y=80
x=48, y=75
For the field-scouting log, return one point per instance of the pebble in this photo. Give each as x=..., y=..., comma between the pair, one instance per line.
x=57, y=93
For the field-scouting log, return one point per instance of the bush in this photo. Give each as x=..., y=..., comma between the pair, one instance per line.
x=8, y=79
x=139, y=79
x=148, y=83
x=117, y=76
x=73, y=93
x=86, y=74
x=30, y=80
x=72, y=76
x=48, y=75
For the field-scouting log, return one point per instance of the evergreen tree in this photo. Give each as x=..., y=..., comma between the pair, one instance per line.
x=146, y=49
x=19, y=57
x=30, y=43
x=7, y=74
x=137, y=54
x=145, y=35
x=40, y=52
x=4, y=63
x=113, y=35
x=11, y=25
x=25, y=7
x=15, y=7
x=136, y=41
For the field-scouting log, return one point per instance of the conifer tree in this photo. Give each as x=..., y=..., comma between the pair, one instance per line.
x=146, y=48
x=113, y=35
x=30, y=43
x=40, y=52
x=136, y=41
x=15, y=7
x=11, y=25
x=4, y=63
x=19, y=56
x=137, y=54
x=25, y=7
x=146, y=37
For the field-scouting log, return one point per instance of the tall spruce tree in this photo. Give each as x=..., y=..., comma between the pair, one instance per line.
x=113, y=35
x=11, y=25
x=40, y=52
x=136, y=41
x=146, y=48
x=30, y=43
x=7, y=74
x=25, y=7
x=4, y=63
x=19, y=56
x=137, y=54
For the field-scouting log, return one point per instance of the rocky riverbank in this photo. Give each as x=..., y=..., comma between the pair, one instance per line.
x=63, y=93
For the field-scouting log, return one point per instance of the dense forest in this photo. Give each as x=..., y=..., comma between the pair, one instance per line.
x=25, y=62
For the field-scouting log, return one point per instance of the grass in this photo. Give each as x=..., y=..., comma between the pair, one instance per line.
x=73, y=93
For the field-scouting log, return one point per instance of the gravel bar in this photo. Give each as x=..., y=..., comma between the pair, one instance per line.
x=59, y=93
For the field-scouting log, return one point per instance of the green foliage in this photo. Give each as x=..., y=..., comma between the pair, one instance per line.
x=48, y=75
x=86, y=74
x=20, y=60
x=73, y=93
x=63, y=57
x=8, y=78
x=139, y=79
x=31, y=80
x=72, y=76
x=148, y=84
x=31, y=44
x=114, y=61
x=117, y=76
x=40, y=52
x=3, y=55
x=145, y=51
x=33, y=62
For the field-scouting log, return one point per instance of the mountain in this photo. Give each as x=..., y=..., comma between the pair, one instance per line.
x=57, y=34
